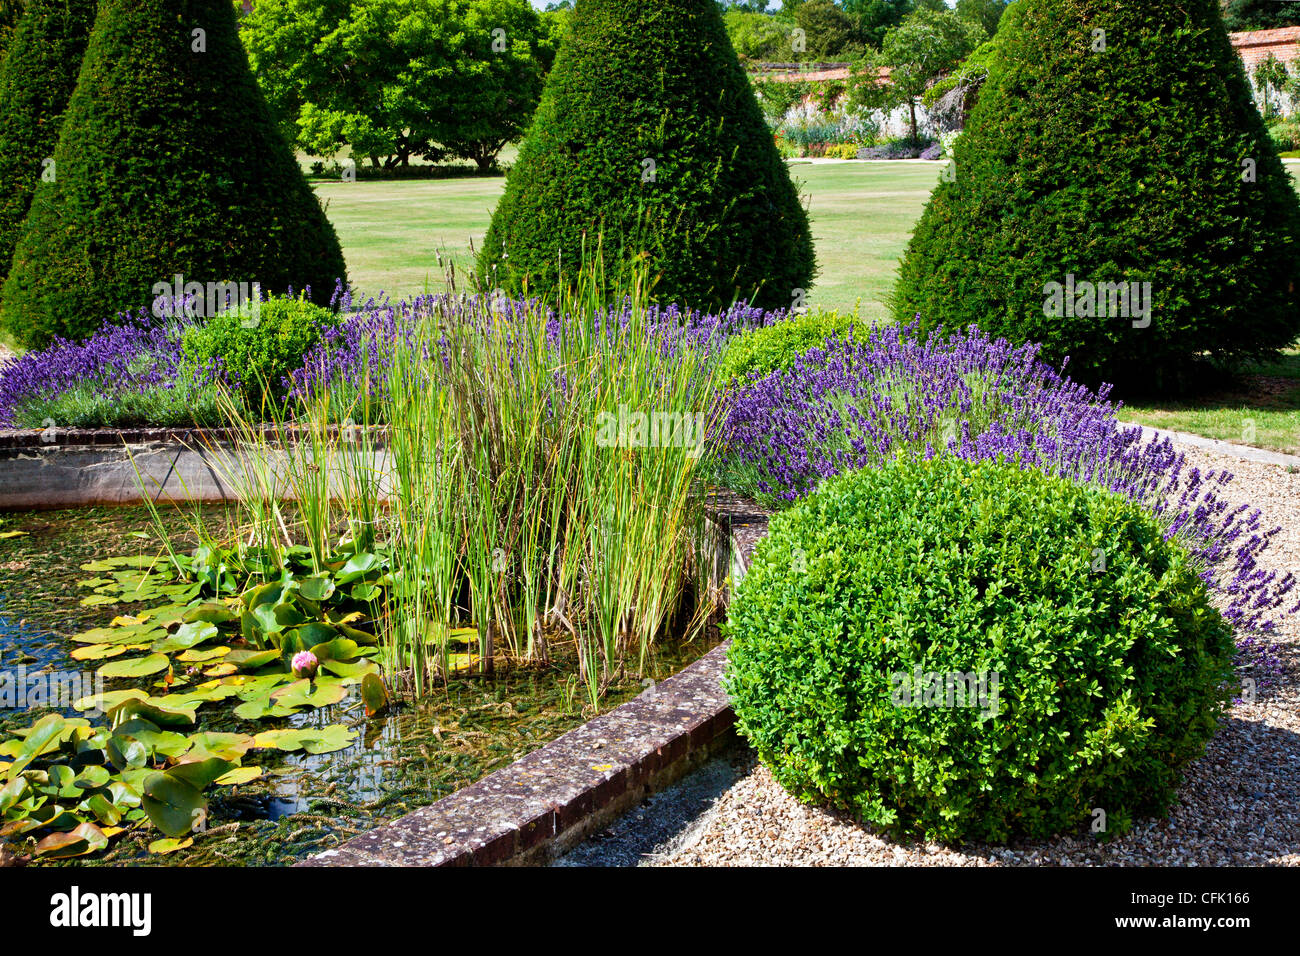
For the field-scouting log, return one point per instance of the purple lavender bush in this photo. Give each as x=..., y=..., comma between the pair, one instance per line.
x=132, y=372
x=855, y=403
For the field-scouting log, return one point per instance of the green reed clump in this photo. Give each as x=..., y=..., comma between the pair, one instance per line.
x=537, y=482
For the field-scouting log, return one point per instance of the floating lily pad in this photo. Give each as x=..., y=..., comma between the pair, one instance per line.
x=224, y=745
x=173, y=805
x=97, y=652
x=374, y=694
x=168, y=845
x=195, y=656
x=186, y=636
x=86, y=838
x=238, y=776
x=136, y=667
x=251, y=660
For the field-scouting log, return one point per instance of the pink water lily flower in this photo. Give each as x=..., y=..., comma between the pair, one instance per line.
x=305, y=664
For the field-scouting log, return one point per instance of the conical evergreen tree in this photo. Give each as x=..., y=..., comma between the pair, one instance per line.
x=649, y=143
x=1114, y=142
x=168, y=163
x=36, y=80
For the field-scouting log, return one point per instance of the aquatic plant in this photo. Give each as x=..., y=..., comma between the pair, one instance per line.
x=259, y=650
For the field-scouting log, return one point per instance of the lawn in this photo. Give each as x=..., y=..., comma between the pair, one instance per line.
x=862, y=215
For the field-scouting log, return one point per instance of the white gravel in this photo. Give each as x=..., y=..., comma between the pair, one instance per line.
x=1239, y=804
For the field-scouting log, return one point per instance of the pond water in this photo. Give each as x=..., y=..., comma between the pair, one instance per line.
x=423, y=751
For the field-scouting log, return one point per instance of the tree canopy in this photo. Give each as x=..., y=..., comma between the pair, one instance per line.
x=376, y=76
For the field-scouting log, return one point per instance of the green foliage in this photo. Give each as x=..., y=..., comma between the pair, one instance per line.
x=756, y=36
x=259, y=345
x=167, y=163
x=758, y=352
x=10, y=11
x=1271, y=79
x=1110, y=663
x=1145, y=161
x=927, y=45
x=78, y=784
x=490, y=93
x=180, y=403
x=1259, y=15
x=1285, y=135
x=649, y=144
x=987, y=13
x=437, y=79
x=829, y=32
x=36, y=79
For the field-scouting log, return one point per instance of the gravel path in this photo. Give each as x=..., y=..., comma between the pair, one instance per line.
x=1240, y=804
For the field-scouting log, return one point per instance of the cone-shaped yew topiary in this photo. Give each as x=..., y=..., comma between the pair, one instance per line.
x=649, y=145
x=1115, y=197
x=36, y=79
x=168, y=163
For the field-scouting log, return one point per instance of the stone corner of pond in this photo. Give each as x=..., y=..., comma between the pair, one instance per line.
x=552, y=798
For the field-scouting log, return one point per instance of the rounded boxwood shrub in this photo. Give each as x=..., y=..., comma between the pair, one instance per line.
x=258, y=346
x=1115, y=141
x=169, y=163
x=758, y=352
x=649, y=145
x=36, y=79
x=1092, y=664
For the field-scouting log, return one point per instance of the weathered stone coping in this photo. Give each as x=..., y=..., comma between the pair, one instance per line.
x=37, y=439
x=551, y=799
x=74, y=468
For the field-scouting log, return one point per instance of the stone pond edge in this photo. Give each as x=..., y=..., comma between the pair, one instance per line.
x=552, y=798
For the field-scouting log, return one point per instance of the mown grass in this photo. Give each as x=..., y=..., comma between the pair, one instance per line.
x=1261, y=409
x=862, y=215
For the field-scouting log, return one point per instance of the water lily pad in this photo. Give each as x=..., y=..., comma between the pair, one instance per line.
x=209, y=613
x=200, y=772
x=251, y=660
x=221, y=670
x=356, y=568
x=96, y=600
x=109, y=700
x=97, y=652
x=303, y=693
x=168, y=845
x=195, y=656
x=135, y=667
x=227, y=746
x=160, y=710
x=329, y=739
x=350, y=670
x=287, y=740
x=259, y=708
x=374, y=694
x=339, y=649
x=173, y=805
x=104, y=810
x=318, y=587
x=86, y=838
x=239, y=775
x=187, y=636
